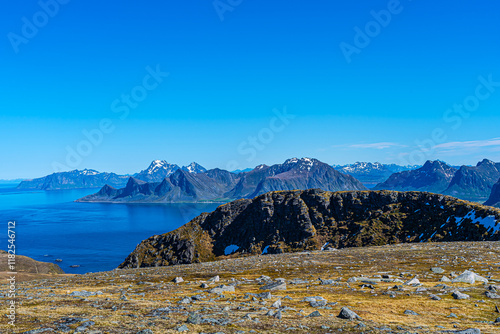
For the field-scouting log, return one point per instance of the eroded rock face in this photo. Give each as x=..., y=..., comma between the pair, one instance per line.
x=289, y=221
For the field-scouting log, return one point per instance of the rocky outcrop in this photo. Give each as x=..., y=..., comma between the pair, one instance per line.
x=289, y=221
x=434, y=176
x=494, y=199
x=474, y=183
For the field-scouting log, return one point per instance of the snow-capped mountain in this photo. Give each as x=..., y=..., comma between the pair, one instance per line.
x=194, y=168
x=157, y=171
x=371, y=174
x=87, y=178
x=217, y=184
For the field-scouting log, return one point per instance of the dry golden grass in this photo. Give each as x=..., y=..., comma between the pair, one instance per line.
x=50, y=299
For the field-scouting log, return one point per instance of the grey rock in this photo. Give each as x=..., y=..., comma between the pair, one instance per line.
x=182, y=328
x=469, y=277
x=178, y=280
x=466, y=331
x=314, y=314
x=434, y=297
x=39, y=330
x=194, y=318
x=412, y=281
x=317, y=303
x=460, y=295
x=437, y=270
x=85, y=293
x=492, y=295
x=277, y=304
x=410, y=312
x=274, y=286
x=222, y=289
x=346, y=313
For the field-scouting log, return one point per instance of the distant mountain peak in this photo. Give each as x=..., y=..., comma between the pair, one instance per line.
x=485, y=162
x=194, y=168
x=157, y=171
x=301, y=164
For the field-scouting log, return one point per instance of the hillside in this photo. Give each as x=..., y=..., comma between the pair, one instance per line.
x=27, y=268
x=281, y=293
x=291, y=221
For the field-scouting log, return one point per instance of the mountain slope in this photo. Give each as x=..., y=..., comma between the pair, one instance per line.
x=289, y=221
x=371, y=174
x=181, y=186
x=294, y=173
x=494, y=199
x=433, y=176
x=75, y=179
x=474, y=183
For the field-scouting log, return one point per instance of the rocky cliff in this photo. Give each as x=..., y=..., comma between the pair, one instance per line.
x=494, y=199
x=474, y=183
x=289, y=221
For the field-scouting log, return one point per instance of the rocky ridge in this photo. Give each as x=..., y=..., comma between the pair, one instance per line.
x=291, y=221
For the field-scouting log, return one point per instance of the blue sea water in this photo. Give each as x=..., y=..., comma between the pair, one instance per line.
x=96, y=236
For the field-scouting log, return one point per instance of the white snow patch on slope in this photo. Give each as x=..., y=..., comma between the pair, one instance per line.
x=489, y=222
x=265, y=250
x=231, y=249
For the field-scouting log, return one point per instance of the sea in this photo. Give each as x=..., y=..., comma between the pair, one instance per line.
x=50, y=225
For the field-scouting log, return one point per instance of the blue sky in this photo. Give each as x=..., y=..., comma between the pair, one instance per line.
x=235, y=71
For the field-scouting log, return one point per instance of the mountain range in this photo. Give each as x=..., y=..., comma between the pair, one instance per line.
x=166, y=182
x=221, y=185
x=371, y=174
x=293, y=221
x=473, y=183
x=88, y=178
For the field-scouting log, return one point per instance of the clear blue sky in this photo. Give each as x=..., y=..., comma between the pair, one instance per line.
x=226, y=76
